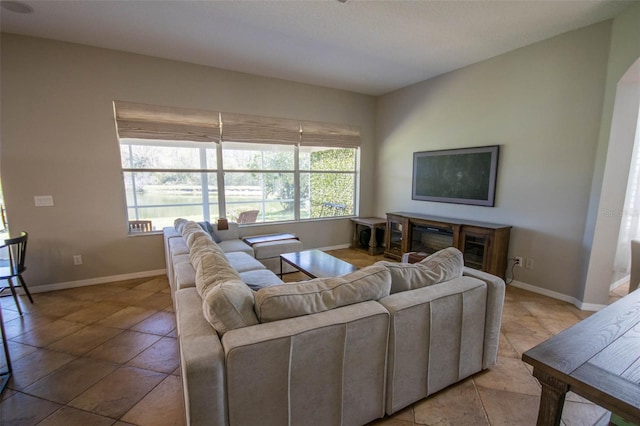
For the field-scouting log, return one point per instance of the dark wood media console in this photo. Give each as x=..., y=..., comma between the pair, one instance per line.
x=485, y=245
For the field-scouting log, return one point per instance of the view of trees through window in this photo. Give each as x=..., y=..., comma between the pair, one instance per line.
x=164, y=180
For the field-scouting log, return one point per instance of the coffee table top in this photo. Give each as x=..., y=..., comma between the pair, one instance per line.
x=318, y=264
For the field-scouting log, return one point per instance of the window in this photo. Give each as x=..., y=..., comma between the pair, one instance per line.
x=203, y=165
x=259, y=177
x=164, y=180
x=327, y=181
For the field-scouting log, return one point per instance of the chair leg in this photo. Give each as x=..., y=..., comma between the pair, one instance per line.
x=6, y=347
x=24, y=286
x=15, y=296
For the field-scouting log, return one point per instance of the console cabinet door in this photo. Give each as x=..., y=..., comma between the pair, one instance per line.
x=396, y=236
x=476, y=248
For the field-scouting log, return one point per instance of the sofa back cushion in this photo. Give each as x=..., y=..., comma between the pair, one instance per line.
x=443, y=265
x=212, y=269
x=179, y=224
x=201, y=246
x=321, y=294
x=192, y=231
x=232, y=233
x=229, y=305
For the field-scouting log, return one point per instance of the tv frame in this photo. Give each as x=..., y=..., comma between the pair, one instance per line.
x=489, y=201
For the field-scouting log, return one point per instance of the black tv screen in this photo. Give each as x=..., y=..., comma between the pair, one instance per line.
x=463, y=176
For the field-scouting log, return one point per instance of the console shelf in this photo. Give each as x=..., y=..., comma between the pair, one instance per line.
x=484, y=245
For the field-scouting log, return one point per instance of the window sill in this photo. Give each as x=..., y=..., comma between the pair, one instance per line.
x=142, y=234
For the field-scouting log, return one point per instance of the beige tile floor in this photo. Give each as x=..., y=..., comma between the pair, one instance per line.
x=107, y=355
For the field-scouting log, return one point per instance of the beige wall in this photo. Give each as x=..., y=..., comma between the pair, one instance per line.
x=542, y=104
x=58, y=138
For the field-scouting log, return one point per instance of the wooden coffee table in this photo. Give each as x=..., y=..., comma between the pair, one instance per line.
x=316, y=264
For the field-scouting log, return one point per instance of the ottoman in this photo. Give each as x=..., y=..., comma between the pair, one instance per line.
x=268, y=253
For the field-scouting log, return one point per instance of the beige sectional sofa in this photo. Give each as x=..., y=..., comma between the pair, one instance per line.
x=334, y=351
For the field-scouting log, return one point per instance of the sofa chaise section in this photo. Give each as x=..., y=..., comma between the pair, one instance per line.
x=326, y=368
x=439, y=335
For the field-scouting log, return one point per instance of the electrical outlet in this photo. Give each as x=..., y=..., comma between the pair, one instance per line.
x=77, y=259
x=528, y=263
x=518, y=260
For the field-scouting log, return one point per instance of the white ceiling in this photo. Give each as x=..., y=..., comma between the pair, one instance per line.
x=370, y=47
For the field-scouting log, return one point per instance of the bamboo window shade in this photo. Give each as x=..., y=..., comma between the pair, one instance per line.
x=142, y=121
x=329, y=134
x=258, y=129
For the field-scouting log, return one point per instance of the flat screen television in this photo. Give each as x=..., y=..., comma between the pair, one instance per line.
x=462, y=176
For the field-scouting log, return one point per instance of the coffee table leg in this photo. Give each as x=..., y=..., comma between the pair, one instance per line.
x=551, y=400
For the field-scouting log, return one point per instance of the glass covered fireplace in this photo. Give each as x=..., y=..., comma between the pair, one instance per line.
x=430, y=239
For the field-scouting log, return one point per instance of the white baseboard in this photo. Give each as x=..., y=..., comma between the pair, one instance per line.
x=94, y=281
x=338, y=247
x=621, y=281
x=559, y=296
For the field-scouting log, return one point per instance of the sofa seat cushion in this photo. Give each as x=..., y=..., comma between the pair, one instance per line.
x=181, y=258
x=322, y=294
x=178, y=246
x=260, y=278
x=270, y=249
x=229, y=305
x=230, y=246
x=242, y=262
x=185, y=276
x=444, y=265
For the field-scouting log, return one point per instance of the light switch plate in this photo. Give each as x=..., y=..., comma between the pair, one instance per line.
x=43, y=200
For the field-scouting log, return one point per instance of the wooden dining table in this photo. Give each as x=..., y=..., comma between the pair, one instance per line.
x=598, y=358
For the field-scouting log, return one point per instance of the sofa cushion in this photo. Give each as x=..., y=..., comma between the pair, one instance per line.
x=177, y=246
x=200, y=247
x=209, y=229
x=229, y=306
x=179, y=224
x=229, y=246
x=322, y=294
x=212, y=270
x=189, y=226
x=231, y=233
x=185, y=276
x=193, y=236
x=260, y=278
x=242, y=262
x=441, y=266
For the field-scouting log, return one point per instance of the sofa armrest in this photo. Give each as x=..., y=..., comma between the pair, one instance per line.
x=169, y=232
x=324, y=368
x=495, y=303
x=201, y=362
